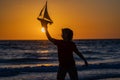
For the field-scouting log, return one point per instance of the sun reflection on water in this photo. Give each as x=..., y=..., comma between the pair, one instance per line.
x=43, y=51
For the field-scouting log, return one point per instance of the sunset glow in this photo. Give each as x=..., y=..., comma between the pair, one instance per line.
x=43, y=29
x=96, y=19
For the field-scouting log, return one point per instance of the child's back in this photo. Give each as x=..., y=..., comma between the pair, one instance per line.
x=65, y=52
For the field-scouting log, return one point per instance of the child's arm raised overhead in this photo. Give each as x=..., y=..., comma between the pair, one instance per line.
x=48, y=34
x=44, y=23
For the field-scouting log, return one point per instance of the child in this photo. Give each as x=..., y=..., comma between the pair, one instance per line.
x=66, y=47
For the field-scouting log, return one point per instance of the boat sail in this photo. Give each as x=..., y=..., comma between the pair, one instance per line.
x=44, y=16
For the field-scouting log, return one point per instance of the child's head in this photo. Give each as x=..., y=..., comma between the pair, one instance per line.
x=67, y=34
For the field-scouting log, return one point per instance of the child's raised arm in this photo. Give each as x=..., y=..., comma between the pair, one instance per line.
x=44, y=24
x=48, y=34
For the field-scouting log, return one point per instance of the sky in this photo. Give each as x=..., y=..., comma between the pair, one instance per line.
x=89, y=19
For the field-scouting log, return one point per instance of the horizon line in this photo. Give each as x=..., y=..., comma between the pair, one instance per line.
x=59, y=39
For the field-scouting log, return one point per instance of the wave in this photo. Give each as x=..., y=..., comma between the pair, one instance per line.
x=6, y=72
x=25, y=60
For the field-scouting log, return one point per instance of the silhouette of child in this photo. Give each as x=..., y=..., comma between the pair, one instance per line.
x=66, y=47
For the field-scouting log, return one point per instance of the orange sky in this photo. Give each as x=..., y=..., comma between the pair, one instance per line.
x=89, y=19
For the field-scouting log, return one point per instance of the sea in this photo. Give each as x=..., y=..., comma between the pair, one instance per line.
x=38, y=59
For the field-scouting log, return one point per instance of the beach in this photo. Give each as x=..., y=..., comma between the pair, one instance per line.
x=37, y=60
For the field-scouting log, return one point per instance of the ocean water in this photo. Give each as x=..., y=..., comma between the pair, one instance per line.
x=37, y=60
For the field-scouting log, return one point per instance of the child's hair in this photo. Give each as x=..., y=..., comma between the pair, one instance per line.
x=68, y=32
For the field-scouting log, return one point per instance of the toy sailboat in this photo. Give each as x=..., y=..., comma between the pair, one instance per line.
x=44, y=16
